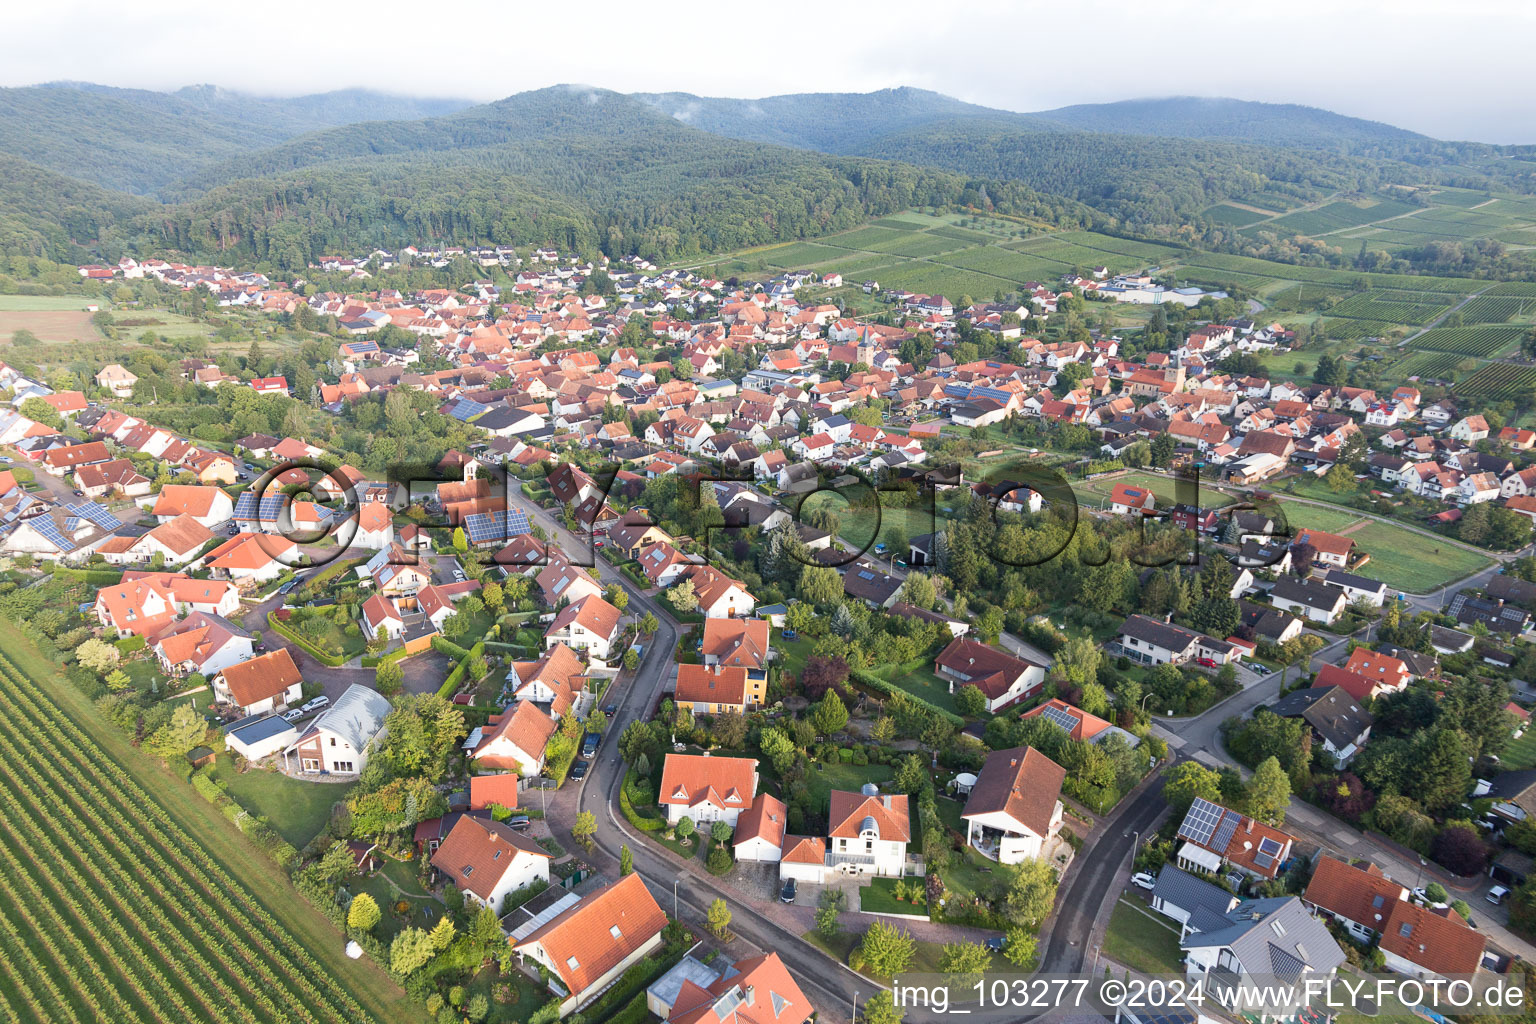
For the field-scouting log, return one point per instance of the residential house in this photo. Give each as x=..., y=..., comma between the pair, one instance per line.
x=1357, y=588
x=1310, y=598
x=264, y=683
x=586, y=947
x=203, y=643
x=1014, y=808
x=755, y=990
x=1002, y=678
x=1387, y=673
x=210, y=506
x=341, y=739
x=1212, y=835
x=1336, y=718
x=869, y=832
x=706, y=788
x=117, y=380
x=556, y=680
x=1328, y=549
x=513, y=740
x=1359, y=898
x=1264, y=939
x=1125, y=499
x=1155, y=642
x=712, y=690
x=1194, y=903
x=590, y=625
x=487, y=860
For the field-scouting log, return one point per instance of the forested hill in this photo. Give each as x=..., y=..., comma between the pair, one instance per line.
x=828, y=121
x=573, y=167
x=1197, y=117
x=134, y=140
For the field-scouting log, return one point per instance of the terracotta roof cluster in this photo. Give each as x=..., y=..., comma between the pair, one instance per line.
x=765, y=819
x=559, y=670
x=524, y=726
x=591, y=613
x=1363, y=895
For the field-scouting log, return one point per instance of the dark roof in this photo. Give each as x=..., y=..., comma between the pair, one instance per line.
x=1331, y=710
x=867, y=583
x=1511, y=588
x=1340, y=578
x=1310, y=592
x=1270, y=623
x=1496, y=615
x=1159, y=634
x=1205, y=903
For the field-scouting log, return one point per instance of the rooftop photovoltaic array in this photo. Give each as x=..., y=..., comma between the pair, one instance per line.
x=485, y=527
x=1201, y=821
x=96, y=514
x=467, y=409
x=1059, y=717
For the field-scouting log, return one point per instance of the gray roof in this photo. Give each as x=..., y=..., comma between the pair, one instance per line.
x=1276, y=935
x=1348, y=580
x=1309, y=592
x=1336, y=715
x=1158, y=633
x=356, y=717
x=1206, y=904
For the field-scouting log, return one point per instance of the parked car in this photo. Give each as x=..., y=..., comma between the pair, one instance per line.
x=293, y=715
x=787, y=894
x=1496, y=895
x=997, y=943
x=1260, y=669
x=316, y=704
x=79, y=494
x=1206, y=662
x=579, y=770
x=1143, y=880
x=610, y=710
x=519, y=822
x=589, y=745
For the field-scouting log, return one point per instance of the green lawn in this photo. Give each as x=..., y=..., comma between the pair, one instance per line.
x=1141, y=942
x=792, y=653
x=1165, y=489
x=857, y=526
x=1312, y=517
x=47, y=303
x=824, y=778
x=1410, y=561
x=297, y=809
x=970, y=874
x=1520, y=753
x=879, y=897
x=918, y=678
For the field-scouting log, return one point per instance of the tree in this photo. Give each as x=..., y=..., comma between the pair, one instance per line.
x=881, y=1008
x=389, y=678
x=1435, y=893
x=494, y=597
x=363, y=914
x=829, y=905
x=626, y=860
x=1186, y=781
x=718, y=918
x=887, y=950
x=1029, y=893
x=631, y=660
x=460, y=542
x=1461, y=849
x=970, y=701
x=822, y=672
x=684, y=828
x=98, y=656
x=184, y=731
x=410, y=952
x=820, y=585
x=919, y=590
x=648, y=623
x=442, y=933
x=1441, y=774
x=1269, y=792
x=1019, y=947
x=682, y=596
x=584, y=828
x=830, y=715
x=720, y=831
x=967, y=961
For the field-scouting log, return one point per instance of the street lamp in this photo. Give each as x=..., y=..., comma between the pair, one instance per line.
x=855, y=1006
x=674, y=897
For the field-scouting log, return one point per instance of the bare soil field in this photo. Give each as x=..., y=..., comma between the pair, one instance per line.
x=51, y=325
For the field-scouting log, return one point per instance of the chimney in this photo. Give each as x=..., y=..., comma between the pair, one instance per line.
x=1250, y=824
x=751, y=995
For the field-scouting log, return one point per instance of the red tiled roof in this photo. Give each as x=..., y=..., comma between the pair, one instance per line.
x=599, y=933
x=264, y=676
x=1020, y=782
x=849, y=810
x=725, y=782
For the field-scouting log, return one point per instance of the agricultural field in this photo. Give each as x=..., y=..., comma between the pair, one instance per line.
x=1233, y=216
x=1498, y=381
x=49, y=325
x=112, y=910
x=1337, y=216
x=1472, y=341
x=1397, y=307
x=1411, y=562
x=1498, y=309
x=1436, y=365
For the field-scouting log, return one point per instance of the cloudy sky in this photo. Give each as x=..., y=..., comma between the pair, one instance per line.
x=1454, y=70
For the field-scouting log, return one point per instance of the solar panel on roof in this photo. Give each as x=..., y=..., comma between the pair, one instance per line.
x=95, y=513
x=1269, y=846
x=1201, y=821
x=49, y=531
x=1059, y=717
x=1224, y=832
x=865, y=574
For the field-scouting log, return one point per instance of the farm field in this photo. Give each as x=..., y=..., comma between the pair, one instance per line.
x=1411, y=562
x=1398, y=307
x=1497, y=381
x=56, y=325
x=46, y=303
x=1301, y=516
x=1471, y=341
x=126, y=905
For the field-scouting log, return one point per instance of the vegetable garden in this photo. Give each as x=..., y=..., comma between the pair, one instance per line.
x=109, y=910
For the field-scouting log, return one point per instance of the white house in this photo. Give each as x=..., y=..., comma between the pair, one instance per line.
x=341, y=739
x=760, y=830
x=1014, y=807
x=707, y=789
x=868, y=833
x=590, y=625
x=263, y=683
x=486, y=860
x=513, y=740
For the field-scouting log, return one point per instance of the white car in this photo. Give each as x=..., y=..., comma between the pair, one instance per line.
x=293, y=714
x=1496, y=895
x=316, y=704
x=1143, y=880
